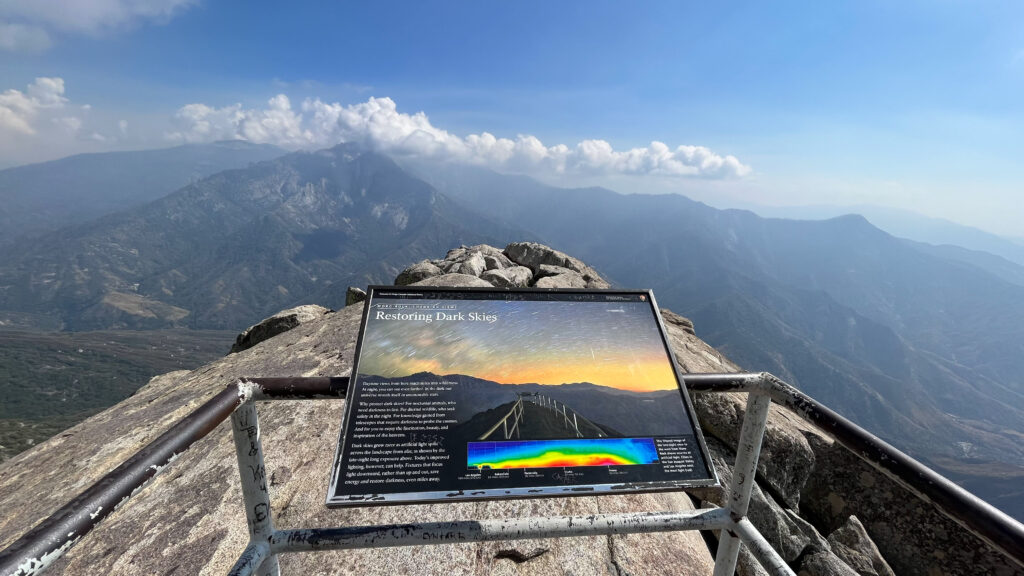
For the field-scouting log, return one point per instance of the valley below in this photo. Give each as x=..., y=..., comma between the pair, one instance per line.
x=50, y=381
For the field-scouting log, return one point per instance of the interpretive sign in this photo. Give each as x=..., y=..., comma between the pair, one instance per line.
x=487, y=393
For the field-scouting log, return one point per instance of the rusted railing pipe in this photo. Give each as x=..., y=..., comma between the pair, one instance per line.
x=55, y=535
x=390, y=535
x=49, y=540
x=729, y=382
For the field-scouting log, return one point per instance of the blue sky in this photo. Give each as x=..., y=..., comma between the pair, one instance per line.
x=912, y=105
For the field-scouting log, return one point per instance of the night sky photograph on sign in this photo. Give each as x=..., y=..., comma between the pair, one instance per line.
x=494, y=393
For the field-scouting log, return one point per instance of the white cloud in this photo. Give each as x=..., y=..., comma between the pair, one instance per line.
x=70, y=123
x=39, y=122
x=91, y=16
x=277, y=123
x=25, y=25
x=23, y=38
x=18, y=110
x=48, y=92
x=379, y=125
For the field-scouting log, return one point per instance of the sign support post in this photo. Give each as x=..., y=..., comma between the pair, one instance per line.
x=744, y=470
x=258, y=557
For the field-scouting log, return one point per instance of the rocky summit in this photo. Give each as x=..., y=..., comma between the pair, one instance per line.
x=824, y=510
x=520, y=265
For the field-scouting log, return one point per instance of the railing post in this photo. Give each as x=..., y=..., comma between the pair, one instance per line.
x=245, y=427
x=743, y=477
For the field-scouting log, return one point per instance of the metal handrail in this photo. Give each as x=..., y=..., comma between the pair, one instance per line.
x=50, y=539
x=980, y=518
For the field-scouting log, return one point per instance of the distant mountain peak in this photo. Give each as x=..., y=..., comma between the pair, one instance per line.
x=852, y=219
x=241, y=145
x=240, y=244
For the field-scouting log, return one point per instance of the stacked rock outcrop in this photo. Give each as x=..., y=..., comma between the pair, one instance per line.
x=519, y=265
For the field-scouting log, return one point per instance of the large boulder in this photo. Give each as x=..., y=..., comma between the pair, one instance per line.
x=520, y=265
x=851, y=543
x=670, y=317
x=568, y=279
x=511, y=277
x=823, y=562
x=469, y=260
x=534, y=255
x=786, y=458
x=473, y=265
x=419, y=271
x=454, y=281
x=278, y=323
x=354, y=295
x=493, y=256
x=788, y=534
x=912, y=535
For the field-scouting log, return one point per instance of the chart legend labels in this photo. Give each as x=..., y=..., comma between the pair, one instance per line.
x=562, y=453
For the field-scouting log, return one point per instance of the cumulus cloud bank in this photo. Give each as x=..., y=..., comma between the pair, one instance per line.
x=379, y=125
x=23, y=38
x=19, y=110
x=40, y=121
x=26, y=25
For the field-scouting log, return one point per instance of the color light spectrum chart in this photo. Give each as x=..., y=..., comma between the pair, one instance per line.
x=562, y=453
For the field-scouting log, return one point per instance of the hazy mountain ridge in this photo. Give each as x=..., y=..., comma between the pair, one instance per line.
x=230, y=249
x=949, y=308
x=40, y=198
x=909, y=225
x=996, y=265
x=918, y=348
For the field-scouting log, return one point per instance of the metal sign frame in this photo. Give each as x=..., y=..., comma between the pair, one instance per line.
x=448, y=493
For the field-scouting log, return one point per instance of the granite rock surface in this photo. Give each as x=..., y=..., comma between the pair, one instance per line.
x=189, y=520
x=276, y=324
